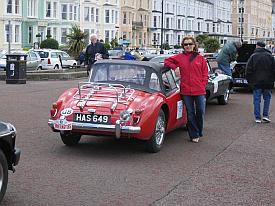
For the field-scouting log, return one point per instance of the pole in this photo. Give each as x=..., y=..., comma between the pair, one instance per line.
x=242, y=10
x=9, y=40
x=162, y=18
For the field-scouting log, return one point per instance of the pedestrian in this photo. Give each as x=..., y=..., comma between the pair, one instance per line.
x=260, y=74
x=227, y=55
x=94, y=51
x=81, y=57
x=128, y=55
x=193, y=79
x=139, y=56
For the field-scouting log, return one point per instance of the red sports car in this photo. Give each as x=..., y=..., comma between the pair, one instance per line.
x=131, y=99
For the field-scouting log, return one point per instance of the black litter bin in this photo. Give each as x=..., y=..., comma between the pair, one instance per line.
x=16, y=69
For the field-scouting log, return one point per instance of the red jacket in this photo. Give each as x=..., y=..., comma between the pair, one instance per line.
x=193, y=74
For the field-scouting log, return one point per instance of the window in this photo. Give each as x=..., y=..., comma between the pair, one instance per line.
x=169, y=80
x=17, y=33
x=107, y=16
x=107, y=36
x=124, y=18
x=30, y=36
x=8, y=32
x=64, y=10
x=54, y=9
x=32, y=8
x=16, y=9
x=63, y=35
x=86, y=13
x=70, y=12
x=92, y=14
x=48, y=9
x=96, y=15
x=154, y=82
x=155, y=21
x=9, y=6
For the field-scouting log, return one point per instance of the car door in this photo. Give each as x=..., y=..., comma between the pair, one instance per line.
x=177, y=113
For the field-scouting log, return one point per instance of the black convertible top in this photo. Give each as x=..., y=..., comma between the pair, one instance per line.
x=158, y=68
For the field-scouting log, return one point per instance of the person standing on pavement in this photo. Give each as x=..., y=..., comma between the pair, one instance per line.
x=94, y=51
x=227, y=55
x=260, y=74
x=193, y=79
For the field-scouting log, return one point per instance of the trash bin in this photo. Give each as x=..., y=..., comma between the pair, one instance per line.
x=16, y=68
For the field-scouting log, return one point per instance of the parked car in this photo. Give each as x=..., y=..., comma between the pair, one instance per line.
x=238, y=68
x=33, y=59
x=55, y=59
x=218, y=86
x=115, y=54
x=125, y=99
x=9, y=154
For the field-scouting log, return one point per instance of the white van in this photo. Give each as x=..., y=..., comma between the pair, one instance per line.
x=55, y=59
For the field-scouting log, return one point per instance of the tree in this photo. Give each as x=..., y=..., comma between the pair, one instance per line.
x=76, y=40
x=201, y=39
x=211, y=45
x=49, y=43
x=107, y=46
x=114, y=43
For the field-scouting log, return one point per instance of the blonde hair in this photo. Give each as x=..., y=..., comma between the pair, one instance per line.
x=193, y=40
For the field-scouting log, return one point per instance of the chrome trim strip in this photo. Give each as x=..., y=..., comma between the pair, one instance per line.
x=117, y=128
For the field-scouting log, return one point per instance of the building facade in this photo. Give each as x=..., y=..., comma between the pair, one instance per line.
x=190, y=18
x=11, y=24
x=100, y=17
x=252, y=20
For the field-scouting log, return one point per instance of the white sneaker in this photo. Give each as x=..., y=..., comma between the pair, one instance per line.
x=266, y=120
x=258, y=121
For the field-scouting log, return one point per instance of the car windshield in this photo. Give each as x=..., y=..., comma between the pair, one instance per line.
x=119, y=73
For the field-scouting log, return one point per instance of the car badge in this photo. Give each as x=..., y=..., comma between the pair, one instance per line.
x=91, y=110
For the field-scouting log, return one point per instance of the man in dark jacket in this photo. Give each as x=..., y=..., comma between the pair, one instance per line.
x=260, y=74
x=94, y=51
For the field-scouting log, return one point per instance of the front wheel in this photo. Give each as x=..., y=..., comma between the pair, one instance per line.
x=69, y=138
x=223, y=99
x=155, y=143
x=3, y=175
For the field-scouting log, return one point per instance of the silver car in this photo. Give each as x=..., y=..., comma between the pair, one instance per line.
x=33, y=60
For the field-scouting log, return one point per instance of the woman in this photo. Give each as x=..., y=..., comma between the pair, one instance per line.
x=193, y=79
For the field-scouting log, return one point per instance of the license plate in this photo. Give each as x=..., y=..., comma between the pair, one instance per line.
x=66, y=126
x=241, y=81
x=92, y=118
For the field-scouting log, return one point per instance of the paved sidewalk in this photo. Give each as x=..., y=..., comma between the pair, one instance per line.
x=243, y=174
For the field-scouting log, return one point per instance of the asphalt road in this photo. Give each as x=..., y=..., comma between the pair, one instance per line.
x=232, y=165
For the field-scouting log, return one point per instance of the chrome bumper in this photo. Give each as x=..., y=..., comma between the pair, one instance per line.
x=118, y=129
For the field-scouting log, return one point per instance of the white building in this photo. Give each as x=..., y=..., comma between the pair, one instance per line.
x=190, y=17
x=100, y=17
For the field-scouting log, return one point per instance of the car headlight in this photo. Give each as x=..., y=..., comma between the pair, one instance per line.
x=125, y=115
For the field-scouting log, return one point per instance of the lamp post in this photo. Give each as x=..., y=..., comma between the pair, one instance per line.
x=161, y=34
x=242, y=19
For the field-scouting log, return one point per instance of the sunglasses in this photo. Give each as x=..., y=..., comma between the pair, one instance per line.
x=188, y=44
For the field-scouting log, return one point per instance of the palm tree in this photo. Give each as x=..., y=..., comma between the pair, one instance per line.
x=76, y=41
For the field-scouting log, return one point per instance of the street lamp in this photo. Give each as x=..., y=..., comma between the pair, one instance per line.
x=161, y=41
x=242, y=20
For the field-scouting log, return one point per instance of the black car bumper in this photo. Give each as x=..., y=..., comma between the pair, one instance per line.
x=16, y=157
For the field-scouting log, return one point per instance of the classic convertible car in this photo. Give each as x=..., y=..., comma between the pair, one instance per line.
x=132, y=99
x=218, y=86
x=9, y=154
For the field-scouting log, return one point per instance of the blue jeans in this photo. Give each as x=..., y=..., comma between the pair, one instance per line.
x=225, y=69
x=195, y=106
x=257, y=96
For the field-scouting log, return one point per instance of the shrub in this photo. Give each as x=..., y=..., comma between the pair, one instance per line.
x=49, y=44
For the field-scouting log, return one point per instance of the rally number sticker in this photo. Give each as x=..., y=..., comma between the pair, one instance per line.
x=67, y=112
